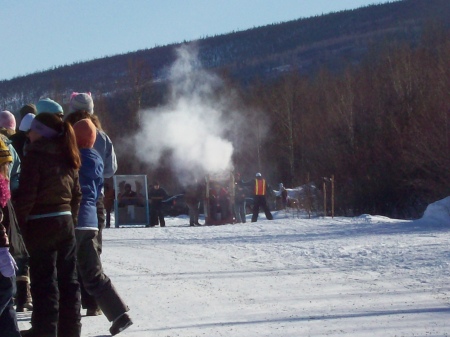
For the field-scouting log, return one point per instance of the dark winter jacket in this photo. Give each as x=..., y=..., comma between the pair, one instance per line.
x=156, y=196
x=18, y=141
x=16, y=245
x=47, y=185
x=91, y=183
x=240, y=193
x=193, y=194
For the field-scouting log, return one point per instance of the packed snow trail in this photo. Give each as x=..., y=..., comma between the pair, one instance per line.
x=364, y=276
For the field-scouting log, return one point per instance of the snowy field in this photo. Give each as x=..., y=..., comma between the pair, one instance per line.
x=363, y=276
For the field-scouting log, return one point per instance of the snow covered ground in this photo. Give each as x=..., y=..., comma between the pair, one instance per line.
x=362, y=276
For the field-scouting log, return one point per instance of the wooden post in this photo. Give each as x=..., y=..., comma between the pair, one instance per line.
x=308, y=196
x=332, y=196
x=324, y=198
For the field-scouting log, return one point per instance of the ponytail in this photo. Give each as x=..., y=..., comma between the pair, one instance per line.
x=62, y=133
x=78, y=115
x=70, y=144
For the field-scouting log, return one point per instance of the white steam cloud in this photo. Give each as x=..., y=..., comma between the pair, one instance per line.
x=191, y=130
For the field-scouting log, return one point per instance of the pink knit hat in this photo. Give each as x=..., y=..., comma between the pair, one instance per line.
x=7, y=120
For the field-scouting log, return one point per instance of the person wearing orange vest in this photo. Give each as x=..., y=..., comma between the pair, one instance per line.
x=259, y=197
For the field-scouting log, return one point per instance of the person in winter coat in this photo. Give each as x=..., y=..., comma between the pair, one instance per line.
x=81, y=106
x=19, y=140
x=96, y=283
x=27, y=109
x=47, y=205
x=12, y=250
x=193, y=196
x=260, y=189
x=109, y=201
x=7, y=129
x=283, y=196
x=240, y=193
x=156, y=195
x=219, y=198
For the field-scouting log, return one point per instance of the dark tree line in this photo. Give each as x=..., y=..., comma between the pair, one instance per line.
x=382, y=128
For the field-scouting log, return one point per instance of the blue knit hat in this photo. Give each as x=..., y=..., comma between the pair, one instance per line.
x=48, y=105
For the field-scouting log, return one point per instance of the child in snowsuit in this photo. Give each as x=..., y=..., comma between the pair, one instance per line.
x=47, y=205
x=96, y=283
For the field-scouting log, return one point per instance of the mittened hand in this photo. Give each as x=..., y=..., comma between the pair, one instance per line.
x=8, y=266
x=4, y=242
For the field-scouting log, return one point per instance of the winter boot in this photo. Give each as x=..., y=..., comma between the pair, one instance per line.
x=33, y=333
x=120, y=323
x=94, y=312
x=23, y=297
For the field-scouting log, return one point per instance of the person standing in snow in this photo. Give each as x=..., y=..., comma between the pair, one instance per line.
x=283, y=196
x=81, y=106
x=109, y=201
x=47, y=205
x=193, y=196
x=19, y=140
x=94, y=280
x=260, y=189
x=12, y=250
x=156, y=195
x=240, y=193
x=7, y=129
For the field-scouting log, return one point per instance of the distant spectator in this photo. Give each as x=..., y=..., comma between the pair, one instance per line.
x=109, y=201
x=156, y=195
x=240, y=193
x=193, y=196
x=219, y=198
x=283, y=196
x=127, y=197
x=260, y=189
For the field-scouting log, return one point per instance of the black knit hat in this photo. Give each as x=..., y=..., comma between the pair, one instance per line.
x=28, y=109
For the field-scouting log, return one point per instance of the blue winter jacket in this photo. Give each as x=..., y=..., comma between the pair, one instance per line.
x=91, y=182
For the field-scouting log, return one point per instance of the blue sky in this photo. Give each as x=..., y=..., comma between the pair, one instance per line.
x=38, y=35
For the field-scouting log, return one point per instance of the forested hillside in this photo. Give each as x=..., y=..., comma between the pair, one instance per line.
x=362, y=95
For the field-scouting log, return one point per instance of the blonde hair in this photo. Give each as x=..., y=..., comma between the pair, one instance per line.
x=4, y=170
x=7, y=132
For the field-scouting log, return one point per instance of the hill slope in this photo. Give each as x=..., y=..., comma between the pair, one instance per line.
x=333, y=40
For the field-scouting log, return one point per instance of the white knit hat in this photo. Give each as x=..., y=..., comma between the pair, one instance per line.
x=25, y=123
x=81, y=101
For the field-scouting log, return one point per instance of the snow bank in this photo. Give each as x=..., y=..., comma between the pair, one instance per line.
x=438, y=212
